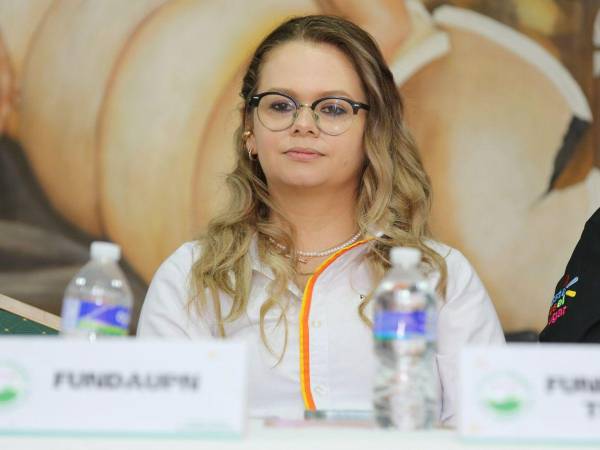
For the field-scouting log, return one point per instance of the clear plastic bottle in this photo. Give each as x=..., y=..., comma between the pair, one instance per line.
x=98, y=299
x=406, y=389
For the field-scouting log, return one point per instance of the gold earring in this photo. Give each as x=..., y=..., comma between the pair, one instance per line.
x=252, y=156
x=245, y=135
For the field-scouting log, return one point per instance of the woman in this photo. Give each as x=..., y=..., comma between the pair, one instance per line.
x=327, y=180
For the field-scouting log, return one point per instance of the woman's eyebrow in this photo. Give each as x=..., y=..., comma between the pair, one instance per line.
x=293, y=93
x=281, y=90
x=336, y=93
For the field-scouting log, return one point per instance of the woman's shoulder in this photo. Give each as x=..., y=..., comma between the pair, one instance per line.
x=174, y=274
x=467, y=314
x=454, y=257
x=462, y=276
x=165, y=310
x=182, y=259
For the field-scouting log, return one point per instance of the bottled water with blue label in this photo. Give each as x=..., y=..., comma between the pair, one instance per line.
x=98, y=299
x=406, y=387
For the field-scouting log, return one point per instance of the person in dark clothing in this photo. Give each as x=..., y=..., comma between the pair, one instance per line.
x=574, y=315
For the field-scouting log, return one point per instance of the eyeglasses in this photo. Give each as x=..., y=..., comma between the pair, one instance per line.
x=333, y=115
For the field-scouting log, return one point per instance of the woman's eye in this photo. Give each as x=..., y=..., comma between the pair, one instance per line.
x=282, y=107
x=333, y=109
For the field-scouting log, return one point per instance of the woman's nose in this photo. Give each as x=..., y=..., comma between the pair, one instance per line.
x=306, y=121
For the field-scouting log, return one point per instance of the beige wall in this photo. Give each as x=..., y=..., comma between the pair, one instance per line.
x=124, y=114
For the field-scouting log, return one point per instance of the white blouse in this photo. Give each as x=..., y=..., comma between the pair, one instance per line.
x=328, y=361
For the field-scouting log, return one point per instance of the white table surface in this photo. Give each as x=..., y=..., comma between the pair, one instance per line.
x=262, y=437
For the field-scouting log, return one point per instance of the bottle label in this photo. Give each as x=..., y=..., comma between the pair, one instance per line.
x=401, y=325
x=104, y=319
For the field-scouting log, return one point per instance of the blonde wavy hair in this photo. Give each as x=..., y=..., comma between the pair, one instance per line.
x=394, y=194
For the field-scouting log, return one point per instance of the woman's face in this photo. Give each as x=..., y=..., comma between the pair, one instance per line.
x=303, y=156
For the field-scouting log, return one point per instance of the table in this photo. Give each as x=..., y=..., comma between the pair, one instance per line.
x=262, y=437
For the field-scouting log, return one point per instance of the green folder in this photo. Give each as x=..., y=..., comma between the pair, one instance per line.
x=13, y=324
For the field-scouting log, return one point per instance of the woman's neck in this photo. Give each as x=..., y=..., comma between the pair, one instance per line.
x=321, y=221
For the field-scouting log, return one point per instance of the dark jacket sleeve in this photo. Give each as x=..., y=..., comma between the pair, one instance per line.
x=574, y=314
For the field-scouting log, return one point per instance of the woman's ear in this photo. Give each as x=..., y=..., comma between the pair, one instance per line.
x=250, y=142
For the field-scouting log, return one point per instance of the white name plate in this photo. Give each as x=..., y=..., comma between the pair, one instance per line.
x=122, y=386
x=531, y=392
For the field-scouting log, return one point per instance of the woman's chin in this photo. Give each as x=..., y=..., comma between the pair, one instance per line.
x=304, y=182
x=311, y=178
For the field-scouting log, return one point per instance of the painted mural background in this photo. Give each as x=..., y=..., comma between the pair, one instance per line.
x=117, y=118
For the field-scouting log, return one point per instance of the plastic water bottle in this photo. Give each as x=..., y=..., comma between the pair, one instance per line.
x=406, y=393
x=98, y=299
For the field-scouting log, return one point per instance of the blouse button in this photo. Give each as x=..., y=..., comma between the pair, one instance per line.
x=315, y=323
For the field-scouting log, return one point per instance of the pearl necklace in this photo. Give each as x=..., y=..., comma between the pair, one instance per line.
x=302, y=255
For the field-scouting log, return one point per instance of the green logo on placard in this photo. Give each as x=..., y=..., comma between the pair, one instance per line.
x=505, y=395
x=12, y=384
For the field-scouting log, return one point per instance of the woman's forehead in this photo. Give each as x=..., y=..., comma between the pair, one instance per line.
x=302, y=68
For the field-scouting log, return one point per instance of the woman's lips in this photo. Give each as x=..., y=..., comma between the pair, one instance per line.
x=302, y=154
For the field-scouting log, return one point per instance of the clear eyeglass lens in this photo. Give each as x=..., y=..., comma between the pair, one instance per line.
x=276, y=112
x=335, y=115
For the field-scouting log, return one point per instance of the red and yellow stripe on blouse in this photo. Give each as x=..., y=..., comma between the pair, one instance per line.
x=309, y=403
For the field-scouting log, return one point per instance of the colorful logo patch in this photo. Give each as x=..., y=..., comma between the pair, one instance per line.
x=559, y=308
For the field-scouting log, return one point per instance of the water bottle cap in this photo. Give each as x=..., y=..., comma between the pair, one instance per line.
x=105, y=250
x=405, y=256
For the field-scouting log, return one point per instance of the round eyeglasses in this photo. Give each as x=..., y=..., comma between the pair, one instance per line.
x=333, y=115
